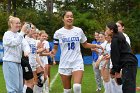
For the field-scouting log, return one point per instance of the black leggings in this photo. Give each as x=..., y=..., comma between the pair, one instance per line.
x=129, y=79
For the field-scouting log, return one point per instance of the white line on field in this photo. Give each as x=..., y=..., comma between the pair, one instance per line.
x=53, y=80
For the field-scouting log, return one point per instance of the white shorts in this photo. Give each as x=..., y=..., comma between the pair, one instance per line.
x=44, y=60
x=68, y=71
x=33, y=66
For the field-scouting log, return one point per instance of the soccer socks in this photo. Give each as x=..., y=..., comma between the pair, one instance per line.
x=27, y=89
x=46, y=87
x=107, y=87
x=38, y=89
x=67, y=90
x=77, y=88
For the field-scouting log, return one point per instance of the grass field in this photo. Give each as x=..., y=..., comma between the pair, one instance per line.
x=88, y=84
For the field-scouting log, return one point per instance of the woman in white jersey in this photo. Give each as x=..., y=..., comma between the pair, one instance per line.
x=120, y=25
x=43, y=43
x=109, y=83
x=71, y=64
x=34, y=60
x=12, y=43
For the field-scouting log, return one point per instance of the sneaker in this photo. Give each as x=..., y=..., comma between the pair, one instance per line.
x=98, y=89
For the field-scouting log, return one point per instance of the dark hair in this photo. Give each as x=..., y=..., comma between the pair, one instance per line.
x=112, y=26
x=64, y=13
x=120, y=22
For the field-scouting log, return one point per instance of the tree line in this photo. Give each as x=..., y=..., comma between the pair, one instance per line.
x=90, y=15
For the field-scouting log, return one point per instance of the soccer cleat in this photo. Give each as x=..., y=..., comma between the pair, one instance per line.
x=98, y=89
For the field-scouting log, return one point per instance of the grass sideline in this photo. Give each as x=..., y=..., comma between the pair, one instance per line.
x=88, y=83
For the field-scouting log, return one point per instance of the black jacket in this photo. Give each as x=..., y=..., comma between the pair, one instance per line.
x=121, y=54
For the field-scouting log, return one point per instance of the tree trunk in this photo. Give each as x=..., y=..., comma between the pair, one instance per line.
x=49, y=4
x=9, y=6
x=14, y=7
x=34, y=2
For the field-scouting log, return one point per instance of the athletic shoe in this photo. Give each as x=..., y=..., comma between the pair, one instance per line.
x=98, y=89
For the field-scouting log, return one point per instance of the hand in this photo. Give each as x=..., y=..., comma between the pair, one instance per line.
x=52, y=54
x=107, y=57
x=100, y=47
x=24, y=28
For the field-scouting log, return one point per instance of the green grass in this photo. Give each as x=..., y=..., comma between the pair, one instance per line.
x=88, y=84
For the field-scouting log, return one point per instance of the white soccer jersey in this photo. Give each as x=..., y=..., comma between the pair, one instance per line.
x=108, y=48
x=25, y=46
x=103, y=44
x=127, y=39
x=44, y=59
x=33, y=48
x=69, y=41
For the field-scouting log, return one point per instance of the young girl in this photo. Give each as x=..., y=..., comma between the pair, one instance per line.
x=71, y=64
x=34, y=60
x=120, y=25
x=42, y=43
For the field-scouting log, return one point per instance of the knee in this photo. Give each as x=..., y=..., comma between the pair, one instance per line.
x=29, y=83
x=77, y=88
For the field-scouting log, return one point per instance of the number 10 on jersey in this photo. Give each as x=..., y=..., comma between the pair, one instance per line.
x=71, y=46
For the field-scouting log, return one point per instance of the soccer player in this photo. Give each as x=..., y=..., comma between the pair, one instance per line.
x=27, y=70
x=34, y=60
x=110, y=83
x=44, y=56
x=71, y=64
x=120, y=25
x=95, y=57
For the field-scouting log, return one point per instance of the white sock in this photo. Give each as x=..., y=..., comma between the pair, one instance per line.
x=107, y=87
x=37, y=89
x=67, y=90
x=24, y=88
x=77, y=88
x=46, y=87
